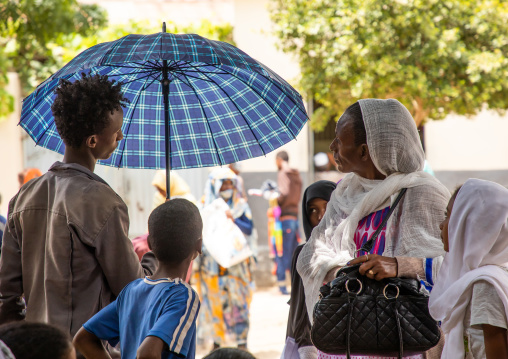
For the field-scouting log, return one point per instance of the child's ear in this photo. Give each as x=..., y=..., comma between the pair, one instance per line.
x=148, y=242
x=199, y=246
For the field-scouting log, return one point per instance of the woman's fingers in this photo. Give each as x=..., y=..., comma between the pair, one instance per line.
x=378, y=267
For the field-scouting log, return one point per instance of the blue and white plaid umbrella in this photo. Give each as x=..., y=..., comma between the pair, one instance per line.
x=222, y=106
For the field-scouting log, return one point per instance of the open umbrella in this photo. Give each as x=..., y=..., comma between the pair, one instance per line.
x=194, y=102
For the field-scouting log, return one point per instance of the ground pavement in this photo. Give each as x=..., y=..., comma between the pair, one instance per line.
x=269, y=314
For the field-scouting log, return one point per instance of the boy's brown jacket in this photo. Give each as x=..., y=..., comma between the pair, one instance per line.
x=65, y=248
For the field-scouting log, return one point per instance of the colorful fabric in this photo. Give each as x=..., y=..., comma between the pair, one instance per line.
x=225, y=302
x=225, y=293
x=274, y=229
x=290, y=239
x=366, y=228
x=224, y=106
x=163, y=308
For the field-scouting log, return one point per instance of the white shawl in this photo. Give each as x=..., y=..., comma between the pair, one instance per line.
x=478, y=243
x=413, y=229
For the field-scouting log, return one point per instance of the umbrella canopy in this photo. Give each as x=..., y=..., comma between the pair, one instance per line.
x=222, y=105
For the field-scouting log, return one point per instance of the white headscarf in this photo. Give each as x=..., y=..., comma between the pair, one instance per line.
x=478, y=247
x=413, y=229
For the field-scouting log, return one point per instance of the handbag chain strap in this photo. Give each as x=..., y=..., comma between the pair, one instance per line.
x=367, y=246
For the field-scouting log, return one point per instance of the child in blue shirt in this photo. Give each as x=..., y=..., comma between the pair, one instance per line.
x=154, y=317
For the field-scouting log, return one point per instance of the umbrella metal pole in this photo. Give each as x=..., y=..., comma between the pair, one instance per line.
x=165, y=93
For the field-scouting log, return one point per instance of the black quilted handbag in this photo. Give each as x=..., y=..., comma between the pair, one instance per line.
x=359, y=315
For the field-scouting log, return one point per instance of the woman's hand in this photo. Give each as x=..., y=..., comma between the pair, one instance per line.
x=229, y=215
x=376, y=267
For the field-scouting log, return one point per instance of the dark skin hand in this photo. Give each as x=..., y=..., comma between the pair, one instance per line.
x=376, y=267
x=496, y=344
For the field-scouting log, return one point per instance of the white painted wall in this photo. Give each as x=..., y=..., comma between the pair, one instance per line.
x=10, y=147
x=460, y=144
x=253, y=33
x=156, y=11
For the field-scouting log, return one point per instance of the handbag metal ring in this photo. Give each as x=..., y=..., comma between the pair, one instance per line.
x=393, y=285
x=359, y=282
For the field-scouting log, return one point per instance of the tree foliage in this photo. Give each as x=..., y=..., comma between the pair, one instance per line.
x=28, y=27
x=71, y=45
x=436, y=56
x=37, y=37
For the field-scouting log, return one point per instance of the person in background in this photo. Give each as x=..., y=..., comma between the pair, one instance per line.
x=27, y=175
x=72, y=256
x=154, y=317
x=225, y=292
x=3, y=221
x=323, y=169
x=235, y=167
x=290, y=189
x=470, y=296
x=315, y=199
x=178, y=188
x=27, y=340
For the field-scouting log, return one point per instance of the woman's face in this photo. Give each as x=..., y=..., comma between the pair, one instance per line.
x=316, y=210
x=347, y=155
x=226, y=184
x=444, y=225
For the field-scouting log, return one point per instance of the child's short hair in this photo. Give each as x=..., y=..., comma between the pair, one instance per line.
x=81, y=108
x=174, y=229
x=28, y=340
x=229, y=353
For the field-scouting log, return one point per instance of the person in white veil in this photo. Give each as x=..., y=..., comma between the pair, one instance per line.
x=377, y=144
x=471, y=292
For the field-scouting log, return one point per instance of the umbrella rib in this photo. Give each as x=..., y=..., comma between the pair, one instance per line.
x=194, y=77
x=209, y=128
x=261, y=97
x=130, y=67
x=140, y=78
x=127, y=131
x=245, y=118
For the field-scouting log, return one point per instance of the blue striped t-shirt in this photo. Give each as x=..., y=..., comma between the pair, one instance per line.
x=164, y=308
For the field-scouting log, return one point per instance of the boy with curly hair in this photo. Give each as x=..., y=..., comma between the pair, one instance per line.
x=154, y=317
x=65, y=245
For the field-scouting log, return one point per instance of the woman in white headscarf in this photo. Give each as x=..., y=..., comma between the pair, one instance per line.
x=377, y=144
x=471, y=292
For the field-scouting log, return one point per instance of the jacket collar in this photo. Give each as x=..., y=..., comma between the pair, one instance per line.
x=60, y=166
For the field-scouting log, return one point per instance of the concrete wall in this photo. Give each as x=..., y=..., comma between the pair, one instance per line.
x=10, y=147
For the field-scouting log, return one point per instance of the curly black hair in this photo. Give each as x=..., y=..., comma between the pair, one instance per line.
x=81, y=107
x=28, y=340
x=174, y=229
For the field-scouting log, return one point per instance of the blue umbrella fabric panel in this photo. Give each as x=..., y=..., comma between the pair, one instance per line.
x=224, y=106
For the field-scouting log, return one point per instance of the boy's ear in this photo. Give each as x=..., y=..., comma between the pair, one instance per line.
x=148, y=241
x=199, y=245
x=91, y=141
